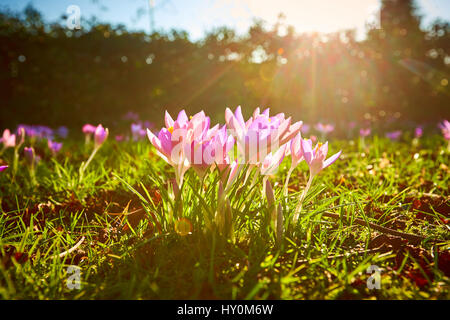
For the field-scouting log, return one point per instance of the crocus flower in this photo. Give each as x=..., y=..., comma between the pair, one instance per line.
x=324, y=128
x=8, y=139
x=261, y=134
x=62, y=132
x=305, y=128
x=3, y=168
x=89, y=129
x=100, y=135
x=315, y=158
x=136, y=129
x=364, y=132
x=418, y=132
x=170, y=143
x=54, y=146
x=445, y=128
x=119, y=138
x=394, y=135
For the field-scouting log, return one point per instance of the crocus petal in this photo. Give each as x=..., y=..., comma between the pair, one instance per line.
x=3, y=168
x=168, y=120
x=331, y=159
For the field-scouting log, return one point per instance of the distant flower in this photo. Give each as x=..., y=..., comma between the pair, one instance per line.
x=130, y=115
x=324, y=128
x=305, y=128
x=352, y=124
x=445, y=128
x=120, y=138
x=418, y=132
x=54, y=147
x=100, y=135
x=62, y=132
x=3, y=168
x=89, y=129
x=394, y=135
x=313, y=138
x=8, y=139
x=364, y=132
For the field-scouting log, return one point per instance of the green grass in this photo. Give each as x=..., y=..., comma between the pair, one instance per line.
x=142, y=243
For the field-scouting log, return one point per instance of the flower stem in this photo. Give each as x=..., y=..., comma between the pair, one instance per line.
x=285, y=188
x=85, y=165
x=302, y=198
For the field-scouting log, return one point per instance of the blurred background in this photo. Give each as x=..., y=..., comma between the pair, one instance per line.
x=92, y=61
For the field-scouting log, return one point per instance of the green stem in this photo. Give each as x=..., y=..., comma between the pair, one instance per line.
x=285, y=188
x=85, y=165
x=302, y=198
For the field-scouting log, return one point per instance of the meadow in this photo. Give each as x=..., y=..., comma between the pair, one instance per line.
x=121, y=223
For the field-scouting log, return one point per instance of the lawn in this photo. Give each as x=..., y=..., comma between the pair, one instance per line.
x=125, y=233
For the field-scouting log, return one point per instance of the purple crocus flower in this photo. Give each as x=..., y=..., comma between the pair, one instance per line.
x=3, y=168
x=62, y=132
x=305, y=128
x=394, y=135
x=364, y=132
x=54, y=146
x=418, y=132
x=136, y=129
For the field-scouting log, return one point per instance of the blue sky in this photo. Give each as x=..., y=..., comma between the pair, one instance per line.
x=198, y=16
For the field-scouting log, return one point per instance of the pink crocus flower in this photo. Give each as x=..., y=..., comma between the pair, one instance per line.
x=305, y=128
x=418, y=132
x=89, y=129
x=54, y=146
x=3, y=168
x=445, y=128
x=364, y=132
x=8, y=139
x=170, y=142
x=394, y=135
x=315, y=158
x=324, y=128
x=100, y=135
x=261, y=134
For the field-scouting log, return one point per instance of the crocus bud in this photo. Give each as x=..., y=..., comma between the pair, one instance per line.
x=29, y=155
x=100, y=135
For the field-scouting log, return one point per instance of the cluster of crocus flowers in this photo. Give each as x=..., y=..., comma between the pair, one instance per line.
x=262, y=142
